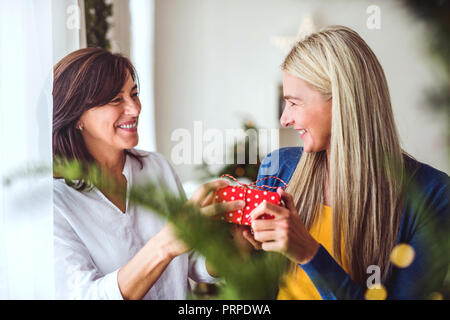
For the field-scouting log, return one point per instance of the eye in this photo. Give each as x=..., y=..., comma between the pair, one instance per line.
x=116, y=100
x=136, y=94
x=290, y=104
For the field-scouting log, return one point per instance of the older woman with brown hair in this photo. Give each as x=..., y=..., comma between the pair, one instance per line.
x=106, y=248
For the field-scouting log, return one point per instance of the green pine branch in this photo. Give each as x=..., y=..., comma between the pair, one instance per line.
x=254, y=276
x=246, y=277
x=97, y=13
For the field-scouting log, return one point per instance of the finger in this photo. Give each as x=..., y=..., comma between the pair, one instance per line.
x=247, y=235
x=263, y=224
x=209, y=200
x=264, y=236
x=201, y=193
x=220, y=208
x=287, y=199
x=271, y=246
x=267, y=207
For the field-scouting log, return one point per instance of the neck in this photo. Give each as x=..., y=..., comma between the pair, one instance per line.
x=112, y=163
x=109, y=161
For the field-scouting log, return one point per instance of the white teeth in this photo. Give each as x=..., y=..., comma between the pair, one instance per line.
x=302, y=131
x=128, y=126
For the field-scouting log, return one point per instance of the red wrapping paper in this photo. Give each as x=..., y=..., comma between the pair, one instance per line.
x=252, y=198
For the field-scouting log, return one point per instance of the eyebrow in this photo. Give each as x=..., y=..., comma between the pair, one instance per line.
x=292, y=98
x=135, y=87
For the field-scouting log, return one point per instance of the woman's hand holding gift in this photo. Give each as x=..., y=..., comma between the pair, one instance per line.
x=202, y=197
x=205, y=196
x=286, y=233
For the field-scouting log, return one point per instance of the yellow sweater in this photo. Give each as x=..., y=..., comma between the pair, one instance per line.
x=298, y=286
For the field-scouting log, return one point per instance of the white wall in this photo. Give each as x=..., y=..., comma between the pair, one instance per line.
x=120, y=30
x=132, y=35
x=26, y=216
x=214, y=62
x=68, y=27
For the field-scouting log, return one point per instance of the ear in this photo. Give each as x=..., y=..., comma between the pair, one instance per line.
x=79, y=125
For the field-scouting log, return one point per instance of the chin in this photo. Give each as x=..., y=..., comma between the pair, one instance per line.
x=307, y=148
x=310, y=149
x=130, y=145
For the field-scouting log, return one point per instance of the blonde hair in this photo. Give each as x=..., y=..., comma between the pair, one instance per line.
x=366, y=190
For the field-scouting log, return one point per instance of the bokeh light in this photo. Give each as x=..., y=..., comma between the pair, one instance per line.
x=402, y=255
x=376, y=292
x=436, y=296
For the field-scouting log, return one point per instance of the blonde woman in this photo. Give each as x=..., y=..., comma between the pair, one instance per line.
x=349, y=200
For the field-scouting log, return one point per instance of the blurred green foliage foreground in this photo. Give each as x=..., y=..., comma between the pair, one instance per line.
x=249, y=274
x=245, y=275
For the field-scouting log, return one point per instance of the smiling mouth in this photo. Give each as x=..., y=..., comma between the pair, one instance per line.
x=301, y=132
x=129, y=126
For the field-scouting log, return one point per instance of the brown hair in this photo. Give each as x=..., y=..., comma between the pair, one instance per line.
x=81, y=80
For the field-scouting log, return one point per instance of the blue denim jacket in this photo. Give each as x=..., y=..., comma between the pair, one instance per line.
x=424, y=226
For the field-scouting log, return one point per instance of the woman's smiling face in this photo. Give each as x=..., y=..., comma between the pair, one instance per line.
x=113, y=126
x=307, y=109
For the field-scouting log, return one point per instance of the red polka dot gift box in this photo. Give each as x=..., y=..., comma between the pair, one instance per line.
x=252, y=195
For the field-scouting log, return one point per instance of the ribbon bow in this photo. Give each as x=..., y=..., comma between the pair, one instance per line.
x=253, y=184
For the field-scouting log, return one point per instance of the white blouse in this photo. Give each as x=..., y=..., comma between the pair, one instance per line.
x=93, y=239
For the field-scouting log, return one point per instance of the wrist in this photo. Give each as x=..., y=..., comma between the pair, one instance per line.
x=314, y=247
x=164, y=248
x=169, y=245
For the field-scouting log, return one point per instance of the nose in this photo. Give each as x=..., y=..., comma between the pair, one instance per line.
x=133, y=108
x=286, y=119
